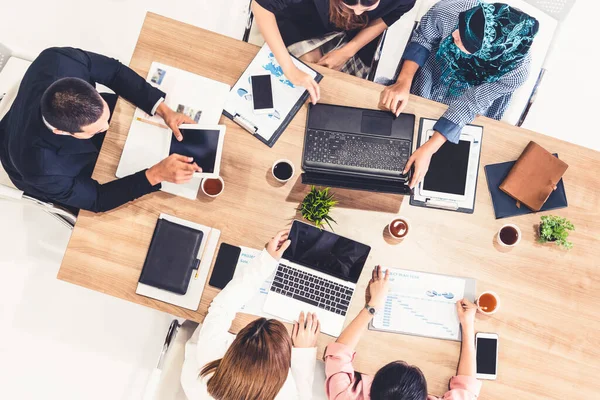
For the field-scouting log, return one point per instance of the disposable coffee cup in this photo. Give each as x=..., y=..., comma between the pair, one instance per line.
x=509, y=235
x=212, y=187
x=399, y=227
x=283, y=170
x=488, y=303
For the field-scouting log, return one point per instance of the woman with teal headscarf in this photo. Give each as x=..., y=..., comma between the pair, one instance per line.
x=468, y=54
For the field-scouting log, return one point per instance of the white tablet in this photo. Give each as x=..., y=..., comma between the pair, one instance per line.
x=448, y=170
x=205, y=144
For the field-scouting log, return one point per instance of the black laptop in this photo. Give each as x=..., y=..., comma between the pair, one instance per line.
x=357, y=148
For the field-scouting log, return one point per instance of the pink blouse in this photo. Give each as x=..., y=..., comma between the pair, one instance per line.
x=341, y=382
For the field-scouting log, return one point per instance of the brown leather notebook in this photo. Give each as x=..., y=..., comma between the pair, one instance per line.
x=533, y=177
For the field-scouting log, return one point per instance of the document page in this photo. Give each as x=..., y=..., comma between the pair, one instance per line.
x=422, y=304
x=256, y=303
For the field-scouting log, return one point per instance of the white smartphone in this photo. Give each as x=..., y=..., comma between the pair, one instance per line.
x=262, y=94
x=487, y=355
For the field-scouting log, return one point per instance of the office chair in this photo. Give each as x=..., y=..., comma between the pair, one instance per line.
x=165, y=380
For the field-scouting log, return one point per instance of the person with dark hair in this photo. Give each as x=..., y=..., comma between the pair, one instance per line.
x=51, y=137
x=262, y=361
x=396, y=380
x=468, y=54
x=338, y=34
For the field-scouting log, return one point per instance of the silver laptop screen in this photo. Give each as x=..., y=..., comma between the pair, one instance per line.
x=326, y=252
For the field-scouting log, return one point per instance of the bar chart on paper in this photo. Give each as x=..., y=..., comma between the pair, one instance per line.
x=423, y=304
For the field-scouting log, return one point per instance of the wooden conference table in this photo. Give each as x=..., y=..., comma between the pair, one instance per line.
x=549, y=323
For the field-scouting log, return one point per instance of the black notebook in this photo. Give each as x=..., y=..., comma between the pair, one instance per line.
x=506, y=206
x=172, y=257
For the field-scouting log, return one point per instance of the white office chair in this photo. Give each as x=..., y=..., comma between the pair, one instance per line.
x=12, y=70
x=165, y=380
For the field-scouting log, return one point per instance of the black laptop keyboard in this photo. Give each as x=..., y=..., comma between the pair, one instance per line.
x=344, y=149
x=311, y=289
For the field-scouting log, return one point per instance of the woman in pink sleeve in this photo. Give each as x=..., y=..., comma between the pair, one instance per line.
x=396, y=380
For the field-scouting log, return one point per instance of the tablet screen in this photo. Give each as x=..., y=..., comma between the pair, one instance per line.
x=448, y=169
x=201, y=144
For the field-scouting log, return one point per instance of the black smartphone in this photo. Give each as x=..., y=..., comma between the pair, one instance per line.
x=262, y=94
x=224, y=268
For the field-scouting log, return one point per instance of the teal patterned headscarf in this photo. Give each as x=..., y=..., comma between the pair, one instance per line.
x=498, y=37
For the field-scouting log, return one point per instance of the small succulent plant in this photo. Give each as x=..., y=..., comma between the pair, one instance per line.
x=556, y=229
x=316, y=207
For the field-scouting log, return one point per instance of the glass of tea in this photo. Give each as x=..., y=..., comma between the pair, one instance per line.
x=488, y=302
x=212, y=187
x=509, y=235
x=399, y=227
x=283, y=170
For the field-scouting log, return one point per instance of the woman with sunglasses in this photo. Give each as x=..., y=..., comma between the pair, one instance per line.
x=338, y=34
x=468, y=54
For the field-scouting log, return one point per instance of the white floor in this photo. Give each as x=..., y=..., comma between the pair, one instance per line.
x=59, y=341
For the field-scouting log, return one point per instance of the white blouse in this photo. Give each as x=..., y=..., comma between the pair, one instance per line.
x=212, y=339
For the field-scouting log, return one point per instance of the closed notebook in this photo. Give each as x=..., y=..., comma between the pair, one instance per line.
x=172, y=257
x=534, y=176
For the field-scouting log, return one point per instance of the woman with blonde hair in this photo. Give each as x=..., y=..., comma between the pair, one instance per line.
x=338, y=34
x=262, y=362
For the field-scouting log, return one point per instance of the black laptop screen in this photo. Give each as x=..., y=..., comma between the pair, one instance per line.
x=326, y=252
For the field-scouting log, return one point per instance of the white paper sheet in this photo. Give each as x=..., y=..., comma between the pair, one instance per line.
x=422, y=304
x=256, y=303
x=202, y=99
x=285, y=93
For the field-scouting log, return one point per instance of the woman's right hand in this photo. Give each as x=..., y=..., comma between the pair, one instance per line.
x=378, y=288
x=305, y=332
x=300, y=78
x=278, y=244
x=395, y=97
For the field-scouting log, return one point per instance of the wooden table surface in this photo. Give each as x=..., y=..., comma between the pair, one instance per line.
x=549, y=321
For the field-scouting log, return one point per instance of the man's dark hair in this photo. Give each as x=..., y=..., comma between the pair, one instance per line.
x=399, y=381
x=70, y=104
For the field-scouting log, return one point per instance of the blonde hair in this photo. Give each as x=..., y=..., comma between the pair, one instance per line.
x=255, y=366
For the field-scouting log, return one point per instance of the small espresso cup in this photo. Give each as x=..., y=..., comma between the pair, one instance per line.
x=283, y=170
x=509, y=235
x=399, y=227
x=212, y=187
x=488, y=303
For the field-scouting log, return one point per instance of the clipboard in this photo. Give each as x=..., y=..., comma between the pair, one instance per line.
x=468, y=205
x=287, y=97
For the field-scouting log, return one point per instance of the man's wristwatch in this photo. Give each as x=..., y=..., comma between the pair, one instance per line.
x=370, y=309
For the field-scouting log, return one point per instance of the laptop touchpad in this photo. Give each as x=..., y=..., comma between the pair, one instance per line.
x=376, y=123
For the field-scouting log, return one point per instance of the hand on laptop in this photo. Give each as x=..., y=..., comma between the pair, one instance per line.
x=395, y=97
x=278, y=244
x=173, y=119
x=174, y=169
x=306, y=331
x=378, y=288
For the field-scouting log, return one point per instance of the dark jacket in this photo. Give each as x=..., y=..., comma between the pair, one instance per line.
x=58, y=168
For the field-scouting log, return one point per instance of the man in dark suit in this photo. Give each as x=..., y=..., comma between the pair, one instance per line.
x=51, y=137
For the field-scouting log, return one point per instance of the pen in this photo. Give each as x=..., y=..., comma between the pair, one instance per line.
x=152, y=123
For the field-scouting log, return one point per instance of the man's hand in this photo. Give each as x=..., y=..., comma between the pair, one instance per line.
x=378, y=288
x=278, y=244
x=175, y=169
x=306, y=332
x=336, y=59
x=303, y=79
x=173, y=119
x=395, y=97
x=466, y=313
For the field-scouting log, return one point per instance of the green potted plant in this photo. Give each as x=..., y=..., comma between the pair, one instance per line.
x=316, y=207
x=556, y=229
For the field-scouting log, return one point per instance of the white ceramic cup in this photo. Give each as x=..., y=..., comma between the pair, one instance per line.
x=497, y=303
x=518, y=235
x=284, y=161
x=213, y=195
x=408, y=227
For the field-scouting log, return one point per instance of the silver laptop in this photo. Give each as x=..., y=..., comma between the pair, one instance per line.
x=317, y=273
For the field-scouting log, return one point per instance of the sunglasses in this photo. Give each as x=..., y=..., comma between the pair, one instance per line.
x=364, y=3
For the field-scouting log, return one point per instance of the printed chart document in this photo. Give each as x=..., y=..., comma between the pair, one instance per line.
x=256, y=303
x=423, y=304
x=149, y=139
